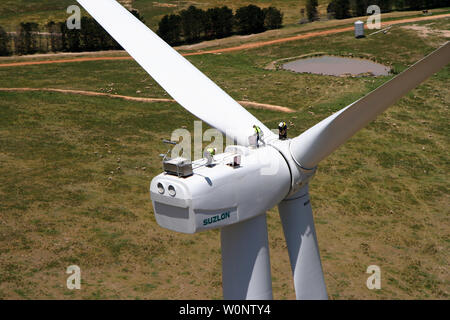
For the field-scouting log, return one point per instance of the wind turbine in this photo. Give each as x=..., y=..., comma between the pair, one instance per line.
x=235, y=196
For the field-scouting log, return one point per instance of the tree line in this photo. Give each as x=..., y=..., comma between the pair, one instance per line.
x=30, y=38
x=342, y=9
x=193, y=24
x=188, y=26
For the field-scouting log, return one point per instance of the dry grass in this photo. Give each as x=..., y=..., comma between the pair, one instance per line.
x=380, y=199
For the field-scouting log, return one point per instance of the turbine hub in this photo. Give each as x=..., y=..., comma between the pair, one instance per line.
x=300, y=176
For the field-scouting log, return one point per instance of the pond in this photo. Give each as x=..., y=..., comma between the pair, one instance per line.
x=337, y=66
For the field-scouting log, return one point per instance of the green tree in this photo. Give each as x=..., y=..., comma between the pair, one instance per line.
x=210, y=23
x=192, y=23
x=138, y=15
x=4, y=43
x=273, y=18
x=311, y=9
x=340, y=9
x=89, y=37
x=224, y=26
x=62, y=28
x=169, y=29
x=359, y=7
x=93, y=37
x=54, y=37
x=71, y=39
x=399, y=4
x=385, y=5
x=415, y=4
x=249, y=19
x=331, y=9
x=219, y=22
x=27, y=38
x=425, y=4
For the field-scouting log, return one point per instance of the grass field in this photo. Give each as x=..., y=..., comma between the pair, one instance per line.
x=381, y=199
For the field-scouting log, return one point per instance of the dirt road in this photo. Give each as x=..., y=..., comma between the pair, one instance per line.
x=249, y=104
x=237, y=48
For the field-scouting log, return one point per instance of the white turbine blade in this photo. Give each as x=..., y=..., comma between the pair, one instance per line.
x=184, y=82
x=245, y=260
x=300, y=234
x=318, y=142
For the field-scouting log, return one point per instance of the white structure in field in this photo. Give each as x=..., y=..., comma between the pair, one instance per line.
x=234, y=195
x=359, y=29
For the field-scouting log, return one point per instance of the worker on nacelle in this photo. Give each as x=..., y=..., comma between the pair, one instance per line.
x=282, y=130
x=209, y=155
x=259, y=134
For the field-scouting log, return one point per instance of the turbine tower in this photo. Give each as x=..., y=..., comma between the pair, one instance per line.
x=235, y=191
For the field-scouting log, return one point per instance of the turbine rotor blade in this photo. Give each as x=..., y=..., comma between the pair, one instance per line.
x=184, y=82
x=300, y=234
x=316, y=143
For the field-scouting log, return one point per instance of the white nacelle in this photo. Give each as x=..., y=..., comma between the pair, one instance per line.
x=221, y=195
